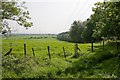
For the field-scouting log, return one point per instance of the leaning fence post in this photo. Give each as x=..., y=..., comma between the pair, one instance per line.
x=49, y=52
x=8, y=52
x=64, y=52
x=33, y=52
x=25, y=50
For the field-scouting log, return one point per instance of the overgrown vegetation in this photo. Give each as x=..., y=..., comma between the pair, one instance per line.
x=88, y=65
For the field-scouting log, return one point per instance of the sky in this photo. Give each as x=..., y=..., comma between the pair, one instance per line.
x=54, y=16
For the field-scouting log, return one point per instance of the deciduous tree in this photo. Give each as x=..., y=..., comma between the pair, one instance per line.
x=15, y=11
x=76, y=30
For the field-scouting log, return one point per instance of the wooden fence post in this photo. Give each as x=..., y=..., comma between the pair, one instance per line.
x=33, y=52
x=76, y=50
x=92, y=46
x=49, y=52
x=64, y=52
x=25, y=50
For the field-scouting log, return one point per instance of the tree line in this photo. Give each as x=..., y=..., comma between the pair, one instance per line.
x=104, y=23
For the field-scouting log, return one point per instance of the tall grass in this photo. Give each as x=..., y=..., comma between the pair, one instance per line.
x=98, y=64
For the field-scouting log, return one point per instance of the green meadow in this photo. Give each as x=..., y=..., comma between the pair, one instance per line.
x=97, y=64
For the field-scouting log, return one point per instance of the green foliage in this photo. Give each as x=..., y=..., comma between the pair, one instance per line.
x=106, y=18
x=88, y=31
x=16, y=11
x=76, y=31
x=87, y=65
x=95, y=64
x=103, y=23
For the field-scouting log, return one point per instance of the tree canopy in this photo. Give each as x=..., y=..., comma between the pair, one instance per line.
x=76, y=30
x=16, y=11
x=107, y=19
x=88, y=31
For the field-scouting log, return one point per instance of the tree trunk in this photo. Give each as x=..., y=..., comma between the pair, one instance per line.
x=92, y=46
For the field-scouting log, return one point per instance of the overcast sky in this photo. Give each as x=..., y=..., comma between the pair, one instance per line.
x=55, y=16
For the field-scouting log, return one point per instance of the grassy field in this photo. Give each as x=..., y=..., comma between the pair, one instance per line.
x=98, y=64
